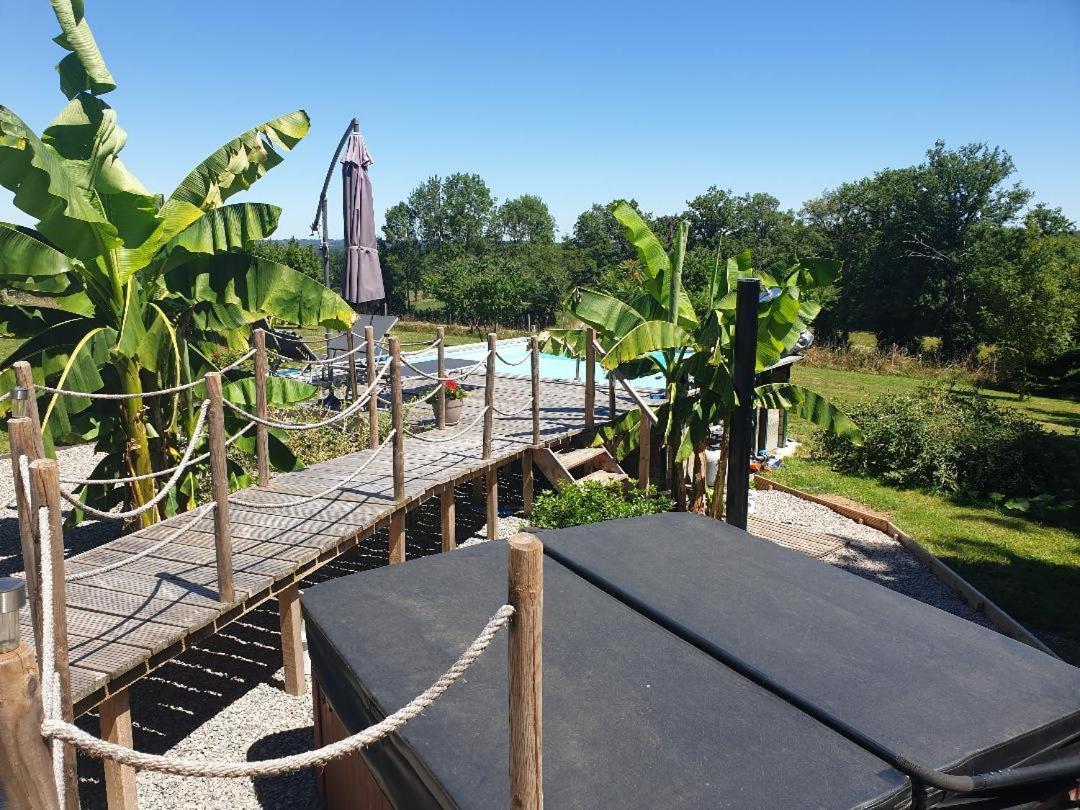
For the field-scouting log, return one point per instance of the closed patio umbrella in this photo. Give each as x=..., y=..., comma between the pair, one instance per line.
x=362, y=278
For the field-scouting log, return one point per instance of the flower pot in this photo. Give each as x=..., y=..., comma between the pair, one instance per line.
x=453, y=409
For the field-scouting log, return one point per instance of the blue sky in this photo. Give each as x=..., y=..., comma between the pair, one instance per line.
x=578, y=102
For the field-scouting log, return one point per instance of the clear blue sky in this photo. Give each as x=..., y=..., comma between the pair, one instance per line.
x=579, y=102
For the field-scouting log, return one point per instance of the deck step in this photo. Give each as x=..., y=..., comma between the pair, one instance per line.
x=596, y=463
x=605, y=477
x=572, y=459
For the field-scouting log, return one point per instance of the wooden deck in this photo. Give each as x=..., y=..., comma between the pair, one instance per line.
x=125, y=623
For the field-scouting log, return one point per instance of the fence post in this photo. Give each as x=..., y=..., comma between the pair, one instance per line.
x=644, y=449
x=745, y=357
x=492, y=473
x=525, y=671
x=24, y=378
x=26, y=765
x=447, y=517
x=262, y=446
x=292, y=646
x=590, y=376
x=611, y=402
x=373, y=395
x=219, y=485
x=115, y=723
x=45, y=493
x=350, y=346
x=534, y=351
x=440, y=420
x=21, y=441
x=397, y=520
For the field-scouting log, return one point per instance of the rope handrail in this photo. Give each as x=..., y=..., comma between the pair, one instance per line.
x=310, y=498
x=384, y=342
x=517, y=362
x=425, y=437
x=158, y=473
x=460, y=374
x=196, y=516
x=319, y=361
x=527, y=406
x=176, y=389
x=165, y=489
x=360, y=402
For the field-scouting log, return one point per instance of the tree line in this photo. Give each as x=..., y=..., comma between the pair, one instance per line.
x=951, y=248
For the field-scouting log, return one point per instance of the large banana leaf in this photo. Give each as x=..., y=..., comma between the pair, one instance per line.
x=610, y=316
x=645, y=338
x=239, y=163
x=652, y=253
x=280, y=391
x=258, y=288
x=67, y=216
x=810, y=406
x=84, y=68
x=231, y=227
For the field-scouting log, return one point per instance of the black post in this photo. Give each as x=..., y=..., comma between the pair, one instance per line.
x=743, y=372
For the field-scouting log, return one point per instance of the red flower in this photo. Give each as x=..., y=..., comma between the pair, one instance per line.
x=451, y=386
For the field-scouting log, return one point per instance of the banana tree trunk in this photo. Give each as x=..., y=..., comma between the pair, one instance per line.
x=701, y=468
x=137, y=447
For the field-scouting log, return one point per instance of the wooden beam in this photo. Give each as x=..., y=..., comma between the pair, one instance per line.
x=644, y=450
x=45, y=493
x=440, y=420
x=262, y=447
x=350, y=345
x=115, y=724
x=397, y=537
x=525, y=671
x=397, y=414
x=21, y=442
x=527, y=480
x=590, y=376
x=489, y=394
x=24, y=378
x=373, y=396
x=25, y=762
x=534, y=353
x=219, y=485
x=492, y=502
x=447, y=518
x=292, y=646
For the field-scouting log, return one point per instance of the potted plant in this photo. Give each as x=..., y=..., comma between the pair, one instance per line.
x=455, y=400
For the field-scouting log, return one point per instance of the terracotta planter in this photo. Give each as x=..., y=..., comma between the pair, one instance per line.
x=453, y=409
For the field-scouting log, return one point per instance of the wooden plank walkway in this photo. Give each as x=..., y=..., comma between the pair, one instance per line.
x=124, y=623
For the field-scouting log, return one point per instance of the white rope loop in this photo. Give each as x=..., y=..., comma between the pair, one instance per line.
x=185, y=462
x=517, y=362
x=459, y=374
x=309, y=498
x=176, y=389
x=527, y=406
x=427, y=437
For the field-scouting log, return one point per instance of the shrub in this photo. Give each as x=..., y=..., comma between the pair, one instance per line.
x=592, y=502
x=955, y=442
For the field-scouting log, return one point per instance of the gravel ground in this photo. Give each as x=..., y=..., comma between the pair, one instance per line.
x=223, y=699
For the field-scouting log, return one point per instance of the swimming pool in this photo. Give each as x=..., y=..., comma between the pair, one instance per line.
x=552, y=366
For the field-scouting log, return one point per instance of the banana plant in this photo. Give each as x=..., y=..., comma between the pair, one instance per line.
x=658, y=332
x=119, y=290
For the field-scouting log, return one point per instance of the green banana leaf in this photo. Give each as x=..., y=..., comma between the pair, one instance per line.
x=645, y=338
x=811, y=406
x=607, y=314
x=84, y=68
x=637, y=233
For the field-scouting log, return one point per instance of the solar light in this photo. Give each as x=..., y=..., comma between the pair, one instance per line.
x=20, y=402
x=12, y=600
x=769, y=294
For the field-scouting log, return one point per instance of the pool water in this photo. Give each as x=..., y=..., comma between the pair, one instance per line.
x=552, y=366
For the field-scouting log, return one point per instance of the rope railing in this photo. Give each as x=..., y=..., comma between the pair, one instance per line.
x=427, y=437
x=429, y=345
x=319, y=361
x=517, y=362
x=344, y=413
x=459, y=374
x=348, y=479
x=196, y=434
x=526, y=407
x=176, y=389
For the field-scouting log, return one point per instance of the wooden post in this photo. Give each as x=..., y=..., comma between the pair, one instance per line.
x=21, y=441
x=26, y=764
x=492, y=502
x=448, y=518
x=489, y=394
x=644, y=450
x=350, y=345
x=262, y=446
x=397, y=520
x=373, y=395
x=292, y=647
x=525, y=671
x=45, y=492
x=590, y=376
x=115, y=725
x=440, y=420
x=219, y=485
x=534, y=351
x=527, y=483
x=611, y=401
x=24, y=378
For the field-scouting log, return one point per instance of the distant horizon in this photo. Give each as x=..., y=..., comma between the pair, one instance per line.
x=778, y=98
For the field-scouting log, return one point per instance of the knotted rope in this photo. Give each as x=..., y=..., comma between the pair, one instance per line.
x=176, y=389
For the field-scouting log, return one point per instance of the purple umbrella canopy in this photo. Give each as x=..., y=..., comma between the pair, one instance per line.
x=362, y=280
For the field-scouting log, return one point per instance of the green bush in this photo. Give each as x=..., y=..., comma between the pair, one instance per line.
x=955, y=442
x=592, y=502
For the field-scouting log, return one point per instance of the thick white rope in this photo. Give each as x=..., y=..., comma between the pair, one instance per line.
x=345, y=413
x=176, y=389
x=518, y=412
x=196, y=516
x=57, y=730
x=159, y=473
x=385, y=343
x=319, y=361
x=309, y=498
x=459, y=374
x=427, y=437
x=185, y=462
x=517, y=362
